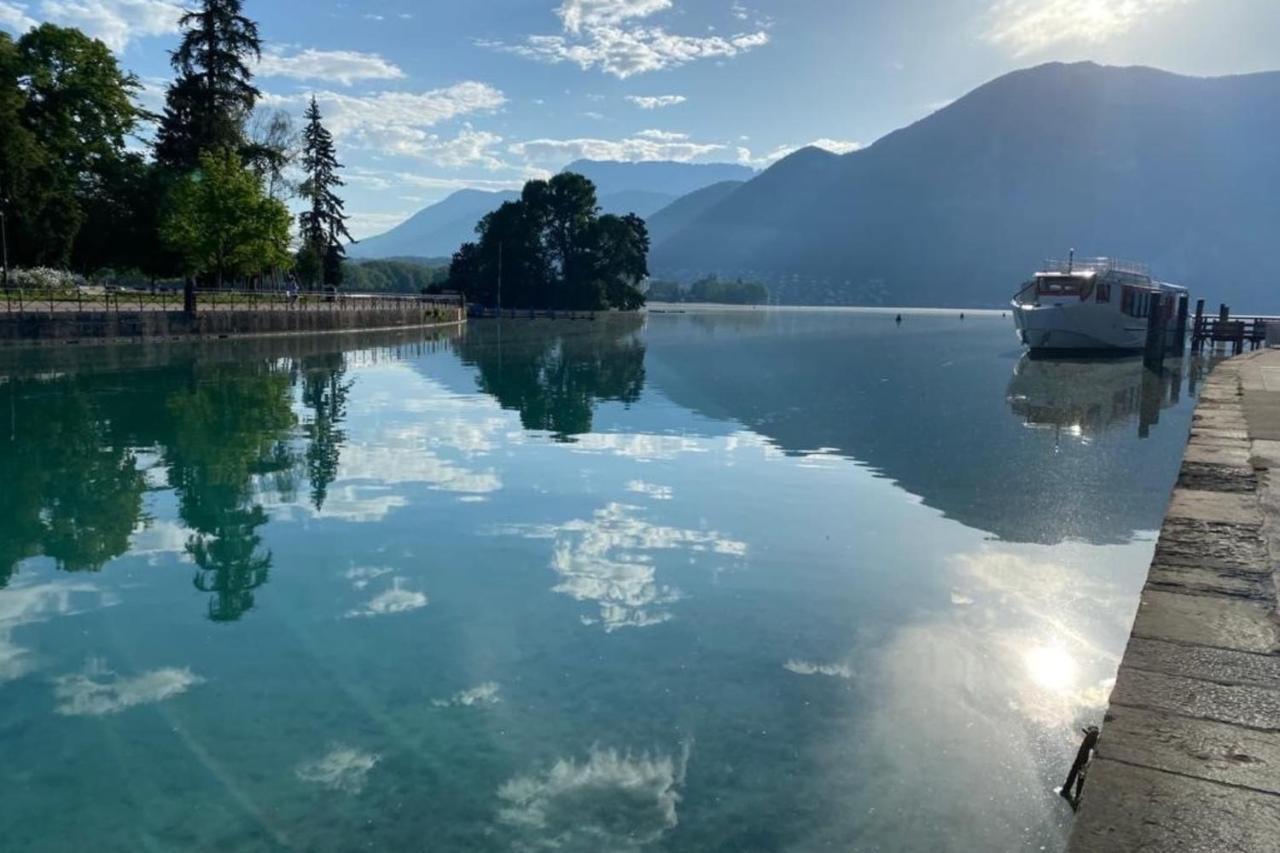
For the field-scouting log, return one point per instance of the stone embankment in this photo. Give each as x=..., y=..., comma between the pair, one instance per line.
x=1189, y=758
x=62, y=324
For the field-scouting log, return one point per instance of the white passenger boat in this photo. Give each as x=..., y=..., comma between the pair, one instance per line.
x=1091, y=304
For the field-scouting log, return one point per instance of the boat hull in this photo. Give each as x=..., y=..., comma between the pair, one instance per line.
x=1080, y=327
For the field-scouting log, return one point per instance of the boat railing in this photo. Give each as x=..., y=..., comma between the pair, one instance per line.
x=1099, y=265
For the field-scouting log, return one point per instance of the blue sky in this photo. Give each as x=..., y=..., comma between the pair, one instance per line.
x=428, y=97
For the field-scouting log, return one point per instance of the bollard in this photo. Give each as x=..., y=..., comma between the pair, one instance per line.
x=1153, y=355
x=1079, y=767
x=1180, y=329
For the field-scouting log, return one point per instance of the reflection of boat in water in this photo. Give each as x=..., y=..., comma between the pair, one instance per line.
x=1083, y=398
x=1094, y=304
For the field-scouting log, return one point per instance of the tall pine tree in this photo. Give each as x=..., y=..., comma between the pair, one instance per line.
x=213, y=94
x=322, y=227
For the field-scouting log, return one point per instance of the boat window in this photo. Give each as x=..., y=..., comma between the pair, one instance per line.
x=1060, y=285
x=1104, y=292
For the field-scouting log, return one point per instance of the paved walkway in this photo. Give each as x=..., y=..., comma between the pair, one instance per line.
x=1189, y=758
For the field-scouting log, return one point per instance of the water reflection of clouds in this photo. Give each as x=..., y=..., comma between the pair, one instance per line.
x=481, y=694
x=342, y=768
x=612, y=801
x=606, y=560
x=650, y=490
x=804, y=667
x=25, y=605
x=98, y=691
x=154, y=538
x=397, y=599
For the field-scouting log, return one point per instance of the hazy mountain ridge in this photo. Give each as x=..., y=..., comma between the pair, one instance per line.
x=621, y=188
x=959, y=207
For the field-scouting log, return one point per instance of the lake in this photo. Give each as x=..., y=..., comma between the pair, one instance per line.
x=795, y=580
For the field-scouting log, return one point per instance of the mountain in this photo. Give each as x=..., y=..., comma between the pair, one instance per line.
x=642, y=203
x=621, y=188
x=686, y=209
x=435, y=231
x=960, y=207
x=656, y=176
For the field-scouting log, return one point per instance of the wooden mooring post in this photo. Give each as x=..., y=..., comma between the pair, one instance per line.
x=1153, y=354
x=1197, y=328
x=1180, y=329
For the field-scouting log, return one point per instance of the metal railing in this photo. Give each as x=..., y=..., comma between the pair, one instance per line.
x=18, y=301
x=1099, y=265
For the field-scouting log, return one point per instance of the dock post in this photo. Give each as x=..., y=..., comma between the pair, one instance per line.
x=1180, y=331
x=1197, y=328
x=1153, y=355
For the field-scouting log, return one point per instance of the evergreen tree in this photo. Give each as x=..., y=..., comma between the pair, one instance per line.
x=213, y=94
x=323, y=226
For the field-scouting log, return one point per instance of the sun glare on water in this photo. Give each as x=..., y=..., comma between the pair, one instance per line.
x=1051, y=668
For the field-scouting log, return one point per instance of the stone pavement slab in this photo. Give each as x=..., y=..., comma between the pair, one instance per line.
x=1189, y=758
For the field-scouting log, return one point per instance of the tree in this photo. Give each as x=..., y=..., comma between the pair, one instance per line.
x=553, y=249
x=223, y=225
x=324, y=224
x=66, y=109
x=213, y=94
x=272, y=148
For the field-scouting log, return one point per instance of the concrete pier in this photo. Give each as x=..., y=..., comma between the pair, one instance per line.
x=1189, y=758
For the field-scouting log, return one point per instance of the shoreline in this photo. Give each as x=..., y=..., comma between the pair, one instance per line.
x=1191, y=736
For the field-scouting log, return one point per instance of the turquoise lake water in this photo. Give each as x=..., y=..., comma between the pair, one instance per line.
x=745, y=581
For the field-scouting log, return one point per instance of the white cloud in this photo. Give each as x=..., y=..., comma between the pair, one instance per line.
x=656, y=102
x=398, y=122
x=13, y=17
x=600, y=34
x=1032, y=26
x=377, y=179
x=641, y=147
x=394, y=600
x=576, y=805
x=343, y=768
x=625, y=53
x=116, y=22
x=836, y=146
x=804, y=667
x=338, y=66
x=663, y=135
x=588, y=14
x=483, y=694
x=98, y=690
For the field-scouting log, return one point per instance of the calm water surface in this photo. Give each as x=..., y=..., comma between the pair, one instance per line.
x=800, y=581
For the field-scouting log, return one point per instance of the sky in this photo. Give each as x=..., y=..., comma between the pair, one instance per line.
x=428, y=97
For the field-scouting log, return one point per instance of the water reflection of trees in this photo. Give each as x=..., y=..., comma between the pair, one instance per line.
x=79, y=520
x=555, y=372
x=324, y=393
x=223, y=432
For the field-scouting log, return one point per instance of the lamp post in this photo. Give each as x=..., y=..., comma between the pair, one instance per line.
x=4, y=241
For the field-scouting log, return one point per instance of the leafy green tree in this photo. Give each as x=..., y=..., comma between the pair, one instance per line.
x=213, y=94
x=66, y=108
x=223, y=225
x=323, y=225
x=553, y=249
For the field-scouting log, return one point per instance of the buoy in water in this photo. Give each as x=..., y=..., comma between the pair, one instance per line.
x=898, y=320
